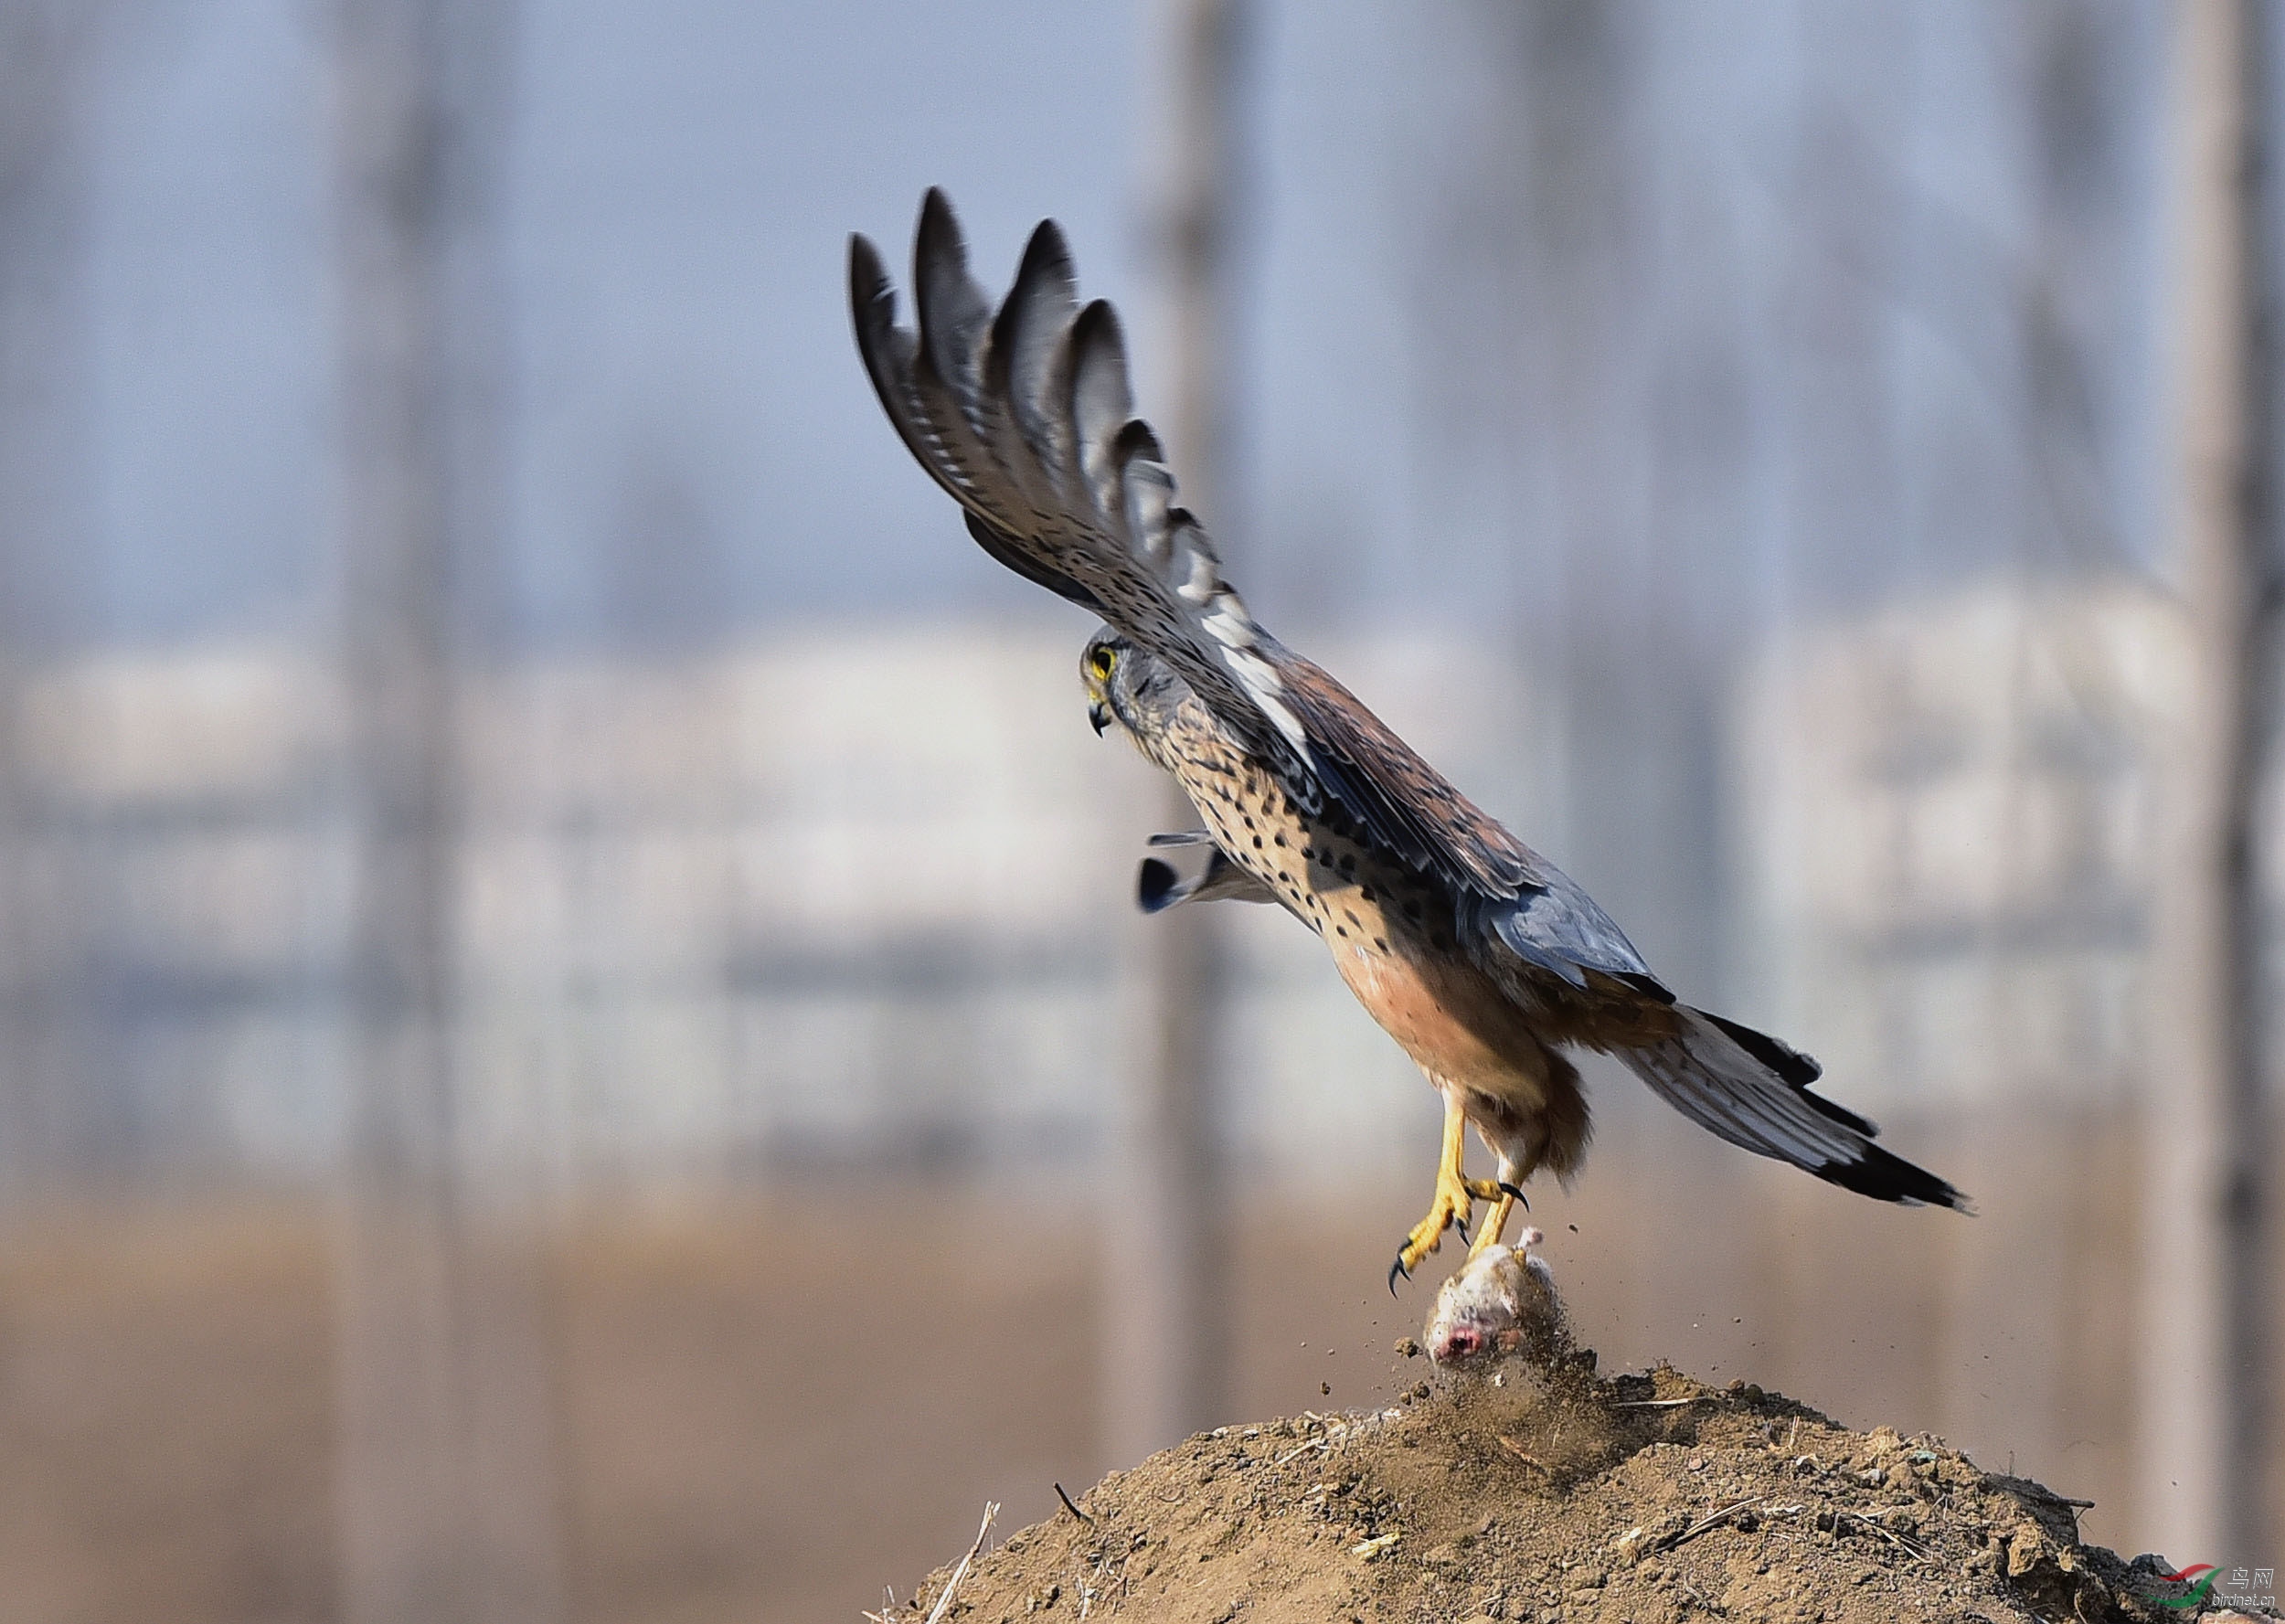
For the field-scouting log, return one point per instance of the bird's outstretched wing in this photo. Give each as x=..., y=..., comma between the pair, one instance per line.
x=1025, y=416
x=1025, y=419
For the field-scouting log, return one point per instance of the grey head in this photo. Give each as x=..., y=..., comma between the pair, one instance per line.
x=1129, y=685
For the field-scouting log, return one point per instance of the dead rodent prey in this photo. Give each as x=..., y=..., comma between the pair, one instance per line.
x=1503, y=1302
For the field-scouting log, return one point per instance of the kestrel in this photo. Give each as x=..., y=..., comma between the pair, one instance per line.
x=1479, y=957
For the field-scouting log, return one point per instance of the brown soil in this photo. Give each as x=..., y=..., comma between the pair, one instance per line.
x=1555, y=1496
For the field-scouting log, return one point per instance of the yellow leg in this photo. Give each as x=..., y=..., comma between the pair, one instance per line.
x=1455, y=1199
x=1495, y=1224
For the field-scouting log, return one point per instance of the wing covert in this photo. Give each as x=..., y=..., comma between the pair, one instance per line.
x=1556, y=926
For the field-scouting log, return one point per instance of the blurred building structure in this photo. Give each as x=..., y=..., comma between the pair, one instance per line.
x=1948, y=816
x=773, y=907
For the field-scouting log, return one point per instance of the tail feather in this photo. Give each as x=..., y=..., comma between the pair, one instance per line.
x=1753, y=1090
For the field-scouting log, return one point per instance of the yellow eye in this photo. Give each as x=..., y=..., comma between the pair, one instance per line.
x=1100, y=662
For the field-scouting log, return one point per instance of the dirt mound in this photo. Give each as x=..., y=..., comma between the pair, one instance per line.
x=1556, y=1495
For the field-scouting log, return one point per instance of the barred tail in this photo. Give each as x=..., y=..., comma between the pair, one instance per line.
x=1753, y=1090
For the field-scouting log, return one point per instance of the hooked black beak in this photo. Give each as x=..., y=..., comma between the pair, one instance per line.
x=1099, y=716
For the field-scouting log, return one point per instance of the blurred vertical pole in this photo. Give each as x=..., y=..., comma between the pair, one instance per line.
x=44, y=51
x=446, y=1490
x=2202, y=1427
x=2256, y=607
x=1167, y=1314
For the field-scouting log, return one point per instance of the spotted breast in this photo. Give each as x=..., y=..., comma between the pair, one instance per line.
x=1390, y=931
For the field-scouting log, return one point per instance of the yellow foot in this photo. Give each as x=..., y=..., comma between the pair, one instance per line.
x=1455, y=1200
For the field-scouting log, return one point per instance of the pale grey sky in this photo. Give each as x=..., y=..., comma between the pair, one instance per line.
x=1797, y=307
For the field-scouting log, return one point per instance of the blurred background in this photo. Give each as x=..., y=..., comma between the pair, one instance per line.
x=572, y=1043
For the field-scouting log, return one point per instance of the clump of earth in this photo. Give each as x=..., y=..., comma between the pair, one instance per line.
x=1534, y=1490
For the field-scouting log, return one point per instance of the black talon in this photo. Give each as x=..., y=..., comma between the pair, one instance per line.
x=1460, y=1225
x=1511, y=1190
x=1394, y=1269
